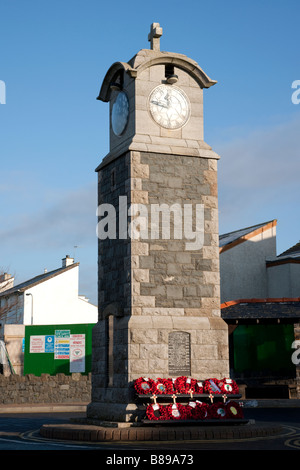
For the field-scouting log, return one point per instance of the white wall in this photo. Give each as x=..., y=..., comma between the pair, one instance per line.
x=284, y=280
x=243, y=267
x=56, y=301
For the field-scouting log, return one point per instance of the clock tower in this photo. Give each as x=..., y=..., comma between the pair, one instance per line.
x=158, y=256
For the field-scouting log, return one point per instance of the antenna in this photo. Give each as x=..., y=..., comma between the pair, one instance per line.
x=75, y=247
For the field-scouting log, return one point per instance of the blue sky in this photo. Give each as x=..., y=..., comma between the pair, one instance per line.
x=54, y=133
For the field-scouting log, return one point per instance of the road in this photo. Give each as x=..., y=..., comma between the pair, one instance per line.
x=20, y=432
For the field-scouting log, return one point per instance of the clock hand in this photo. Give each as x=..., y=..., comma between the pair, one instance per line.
x=159, y=104
x=166, y=98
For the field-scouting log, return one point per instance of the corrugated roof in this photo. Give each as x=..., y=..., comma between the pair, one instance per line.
x=23, y=286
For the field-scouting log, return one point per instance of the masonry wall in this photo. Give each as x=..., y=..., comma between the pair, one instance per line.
x=162, y=286
x=180, y=276
x=15, y=389
x=114, y=253
x=174, y=287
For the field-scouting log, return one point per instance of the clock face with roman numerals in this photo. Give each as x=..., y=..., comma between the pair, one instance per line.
x=169, y=106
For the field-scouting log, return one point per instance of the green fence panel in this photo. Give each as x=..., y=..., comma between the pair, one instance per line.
x=53, y=349
x=263, y=349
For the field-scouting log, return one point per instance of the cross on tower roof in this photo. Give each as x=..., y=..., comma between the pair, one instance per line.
x=154, y=36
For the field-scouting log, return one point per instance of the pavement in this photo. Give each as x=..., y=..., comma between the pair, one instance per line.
x=82, y=430
x=81, y=407
x=43, y=408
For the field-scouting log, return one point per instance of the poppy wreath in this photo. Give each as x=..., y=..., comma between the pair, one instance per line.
x=178, y=411
x=144, y=386
x=192, y=386
x=199, y=386
x=163, y=386
x=229, y=386
x=157, y=412
x=185, y=385
x=234, y=410
x=211, y=386
x=198, y=410
x=218, y=411
x=180, y=384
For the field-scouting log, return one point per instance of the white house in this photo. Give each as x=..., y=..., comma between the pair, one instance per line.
x=243, y=255
x=50, y=298
x=260, y=302
x=251, y=269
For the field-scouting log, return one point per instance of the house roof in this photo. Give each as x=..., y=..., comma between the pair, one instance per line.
x=247, y=310
x=294, y=251
x=292, y=255
x=231, y=239
x=23, y=286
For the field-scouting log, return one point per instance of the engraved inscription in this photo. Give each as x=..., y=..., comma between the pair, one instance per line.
x=179, y=353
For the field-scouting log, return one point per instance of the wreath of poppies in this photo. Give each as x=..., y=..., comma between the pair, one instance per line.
x=211, y=386
x=163, y=386
x=157, y=412
x=194, y=410
x=229, y=386
x=198, y=410
x=144, y=386
x=185, y=385
x=218, y=411
x=199, y=386
x=180, y=385
x=234, y=410
x=178, y=411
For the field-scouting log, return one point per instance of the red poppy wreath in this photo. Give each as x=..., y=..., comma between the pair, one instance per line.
x=157, y=412
x=180, y=384
x=144, y=386
x=229, y=386
x=199, y=386
x=211, y=386
x=234, y=410
x=218, y=411
x=198, y=410
x=178, y=411
x=163, y=386
x=185, y=385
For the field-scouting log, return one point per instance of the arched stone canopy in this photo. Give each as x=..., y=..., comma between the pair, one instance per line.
x=149, y=59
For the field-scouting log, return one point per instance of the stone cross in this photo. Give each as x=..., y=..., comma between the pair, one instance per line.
x=154, y=36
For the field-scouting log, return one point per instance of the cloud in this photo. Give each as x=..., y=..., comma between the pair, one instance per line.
x=70, y=218
x=259, y=175
x=263, y=158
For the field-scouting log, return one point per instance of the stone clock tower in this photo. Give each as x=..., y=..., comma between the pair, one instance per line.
x=158, y=259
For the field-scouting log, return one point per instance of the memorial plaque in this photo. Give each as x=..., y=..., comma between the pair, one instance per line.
x=179, y=353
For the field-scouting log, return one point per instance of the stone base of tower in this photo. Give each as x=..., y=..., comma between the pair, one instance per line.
x=166, y=344
x=114, y=413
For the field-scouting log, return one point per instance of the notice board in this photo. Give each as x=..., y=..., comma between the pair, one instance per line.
x=53, y=349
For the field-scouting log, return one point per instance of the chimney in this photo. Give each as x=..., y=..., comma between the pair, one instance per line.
x=67, y=261
x=6, y=282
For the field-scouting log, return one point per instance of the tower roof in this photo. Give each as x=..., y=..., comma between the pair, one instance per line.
x=154, y=56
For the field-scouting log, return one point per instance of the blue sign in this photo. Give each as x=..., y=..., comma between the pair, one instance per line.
x=49, y=344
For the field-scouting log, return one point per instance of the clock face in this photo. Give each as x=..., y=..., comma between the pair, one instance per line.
x=169, y=106
x=120, y=113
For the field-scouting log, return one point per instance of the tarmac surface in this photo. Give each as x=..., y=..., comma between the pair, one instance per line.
x=84, y=430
